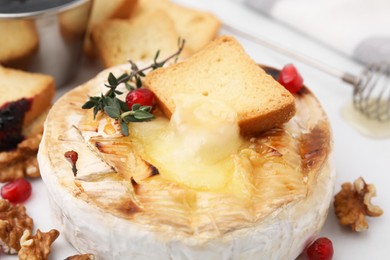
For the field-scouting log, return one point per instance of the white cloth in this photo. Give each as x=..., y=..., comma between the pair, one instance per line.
x=358, y=28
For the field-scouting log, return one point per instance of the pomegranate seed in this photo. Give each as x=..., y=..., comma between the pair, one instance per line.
x=290, y=78
x=16, y=191
x=71, y=156
x=321, y=249
x=141, y=96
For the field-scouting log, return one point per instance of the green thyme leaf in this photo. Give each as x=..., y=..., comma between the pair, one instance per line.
x=146, y=108
x=112, y=80
x=123, y=77
x=131, y=118
x=95, y=111
x=89, y=104
x=156, y=56
x=135, y=107
x=138, y=81
x=143, y=115
x=123, y=106
x=110, y=101
x=124, y=128
x=112, y=112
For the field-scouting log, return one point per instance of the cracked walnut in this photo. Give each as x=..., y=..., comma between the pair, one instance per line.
x=36, y=247
x=353, y=203
x=13, y=222
x=81, y=257
x=22, y=161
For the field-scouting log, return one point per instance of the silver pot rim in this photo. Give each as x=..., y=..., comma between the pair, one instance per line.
x=44, y=12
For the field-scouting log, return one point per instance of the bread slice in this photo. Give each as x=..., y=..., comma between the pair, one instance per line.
x=25, y=99
x=222, y=70
x=104, y=10
x=37, y=88
x=118, y=41
x=197, y=27
x=73, y=23
x=17, y=48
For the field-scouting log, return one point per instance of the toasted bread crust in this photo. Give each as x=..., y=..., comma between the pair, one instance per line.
x=41, y=102
x=17, y=84
x=263, y=122
x=223, y=70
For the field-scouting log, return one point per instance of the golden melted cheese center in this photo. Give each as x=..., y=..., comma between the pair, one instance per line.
x=196, y=148
x=191, y=171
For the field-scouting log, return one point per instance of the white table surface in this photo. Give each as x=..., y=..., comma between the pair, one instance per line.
x=356, y=155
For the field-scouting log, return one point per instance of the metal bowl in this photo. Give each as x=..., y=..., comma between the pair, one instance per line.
x=44, y=36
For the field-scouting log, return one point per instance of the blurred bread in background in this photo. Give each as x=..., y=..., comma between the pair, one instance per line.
x=19, y=42
x=104, y=10
x=153, y=25
x=197, y=27
x=140, y=38
x=73, y=22
x=35, y=87
x=25, y=99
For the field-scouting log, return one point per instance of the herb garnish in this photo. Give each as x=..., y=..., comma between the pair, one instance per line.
x=116, y=108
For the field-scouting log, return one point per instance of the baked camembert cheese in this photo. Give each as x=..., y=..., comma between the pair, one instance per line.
x=188, y=187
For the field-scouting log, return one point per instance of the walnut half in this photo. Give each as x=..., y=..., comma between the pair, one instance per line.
x=353, y=203
x=21, y=161
x=36, y=247
x=13, y=222
x=81, y=257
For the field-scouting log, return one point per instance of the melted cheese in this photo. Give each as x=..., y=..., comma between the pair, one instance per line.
x=196, y=146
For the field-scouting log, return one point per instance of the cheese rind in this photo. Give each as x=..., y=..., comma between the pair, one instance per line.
x=166, y=220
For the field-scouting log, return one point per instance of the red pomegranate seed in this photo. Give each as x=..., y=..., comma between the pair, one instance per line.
x=290, y=78
x=71, y=156
x=141, y=96
x=16, y=191
x=321, y=249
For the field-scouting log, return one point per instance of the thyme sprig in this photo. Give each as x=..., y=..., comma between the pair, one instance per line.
x=116, y=108
x=137, y=113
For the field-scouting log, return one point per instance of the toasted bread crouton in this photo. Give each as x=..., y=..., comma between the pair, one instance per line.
x=222, y=70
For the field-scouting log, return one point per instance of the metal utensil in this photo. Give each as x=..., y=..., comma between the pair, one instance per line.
x=371, y=88
x=57, y=30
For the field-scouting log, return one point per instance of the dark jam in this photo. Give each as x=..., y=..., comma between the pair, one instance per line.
x=26, y=6
x=11, y=123
x=72, y=158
